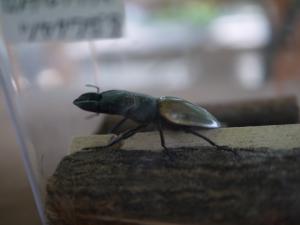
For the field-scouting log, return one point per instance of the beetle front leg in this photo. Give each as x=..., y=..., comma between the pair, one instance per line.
x=126, y=135
x=117, y=126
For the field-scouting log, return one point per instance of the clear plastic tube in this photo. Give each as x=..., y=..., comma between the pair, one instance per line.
x=7, y=88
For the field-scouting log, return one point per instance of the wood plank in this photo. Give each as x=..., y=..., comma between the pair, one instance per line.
x=271, y=137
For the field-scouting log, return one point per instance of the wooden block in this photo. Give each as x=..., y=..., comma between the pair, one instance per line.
x=270, y=137
x=193, y=184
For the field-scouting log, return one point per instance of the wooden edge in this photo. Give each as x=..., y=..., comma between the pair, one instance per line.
x=269, y=137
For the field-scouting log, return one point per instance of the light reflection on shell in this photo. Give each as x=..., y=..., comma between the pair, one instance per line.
x=181, y=112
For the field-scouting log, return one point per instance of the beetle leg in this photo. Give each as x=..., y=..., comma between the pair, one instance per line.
x=224, y=148
x=189, y=130
x=92, y=116
x=167, y=151
x=161, y=134
x=117, y=126
x=126, y=135
x=162, y=139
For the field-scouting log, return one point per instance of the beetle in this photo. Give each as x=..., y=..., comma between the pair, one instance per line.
x=144, y=109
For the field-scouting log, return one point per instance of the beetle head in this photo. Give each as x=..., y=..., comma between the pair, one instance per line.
x=88, y=102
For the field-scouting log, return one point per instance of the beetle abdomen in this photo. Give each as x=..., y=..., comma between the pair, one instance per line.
x=181, y=112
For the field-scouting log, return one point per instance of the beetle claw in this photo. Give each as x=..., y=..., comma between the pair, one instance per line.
x=228, y=149
x=170, y=154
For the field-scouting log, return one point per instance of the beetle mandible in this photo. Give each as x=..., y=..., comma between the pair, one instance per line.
x=145, y=109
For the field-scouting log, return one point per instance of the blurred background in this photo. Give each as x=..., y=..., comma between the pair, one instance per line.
x=203, y=51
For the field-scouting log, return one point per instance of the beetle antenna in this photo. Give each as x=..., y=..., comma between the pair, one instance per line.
x=93, y=86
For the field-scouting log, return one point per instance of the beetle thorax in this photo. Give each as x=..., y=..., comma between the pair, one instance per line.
x=138, y=107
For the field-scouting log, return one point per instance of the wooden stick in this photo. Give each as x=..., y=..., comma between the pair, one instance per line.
x=259, y=112
x=139, y=184
x=273, y=111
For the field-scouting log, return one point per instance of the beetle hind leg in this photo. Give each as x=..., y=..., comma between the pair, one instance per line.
x=189, y=130
x=219, y=147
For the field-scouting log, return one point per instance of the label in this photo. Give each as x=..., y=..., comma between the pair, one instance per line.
x=70, y=20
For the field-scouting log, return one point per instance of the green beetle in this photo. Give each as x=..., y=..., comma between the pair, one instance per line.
x=144, y=109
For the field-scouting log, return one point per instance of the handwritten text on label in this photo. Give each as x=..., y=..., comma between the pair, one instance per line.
x=42, y=20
